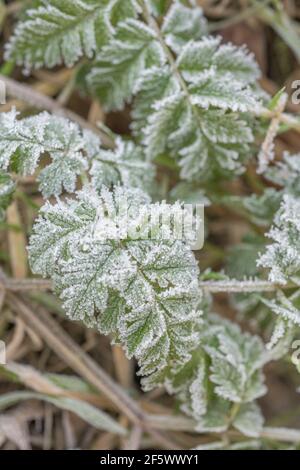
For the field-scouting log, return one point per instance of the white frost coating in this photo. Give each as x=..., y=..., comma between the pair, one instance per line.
x=121, y=63
x=126, y=165
x=143, y=291
x=63, y=31
x=225, y=368
x=72, y=150
x=182, y=24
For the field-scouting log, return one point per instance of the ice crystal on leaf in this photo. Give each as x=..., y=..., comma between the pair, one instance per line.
x=144, y=291
x=286, y=173
x=285, y=308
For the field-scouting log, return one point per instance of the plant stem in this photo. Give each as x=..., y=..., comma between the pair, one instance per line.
x=214, y=287
x=232, y=286
x=152, y=23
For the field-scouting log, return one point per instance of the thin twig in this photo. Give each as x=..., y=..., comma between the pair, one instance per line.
x=231, y=286
x=181, y=423
x=214, y=287
x=284, y=118
x=24, y=285
x=281, y=434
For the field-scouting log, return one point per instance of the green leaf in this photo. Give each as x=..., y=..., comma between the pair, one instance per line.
x=121, y=63
x=125, y=165
x=227, y=61
x=143, y=290
x=183, y=24
x=24, y=141
x=63, y=31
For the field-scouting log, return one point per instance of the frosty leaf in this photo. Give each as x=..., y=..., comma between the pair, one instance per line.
x=195, y=90
x=7, y=187
x=216, y=418
x=72, y=152
x=182, y=24
x=237, y=359
x=282, y=257
x=206, y=143
x=62, y=173
x=249, y=420
x=125, y=165
x=68, y=155
x=225, y=368
x=145, y=291
x=226, y=61
x=24, y=141
x=122, y=62
x=210, y=91
x=63, y=31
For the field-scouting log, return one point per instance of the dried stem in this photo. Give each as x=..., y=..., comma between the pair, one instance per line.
x=64, y=346
x=213, y=287
x=232, y=286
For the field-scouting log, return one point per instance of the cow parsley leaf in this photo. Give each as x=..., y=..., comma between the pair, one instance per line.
x=144, y=291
